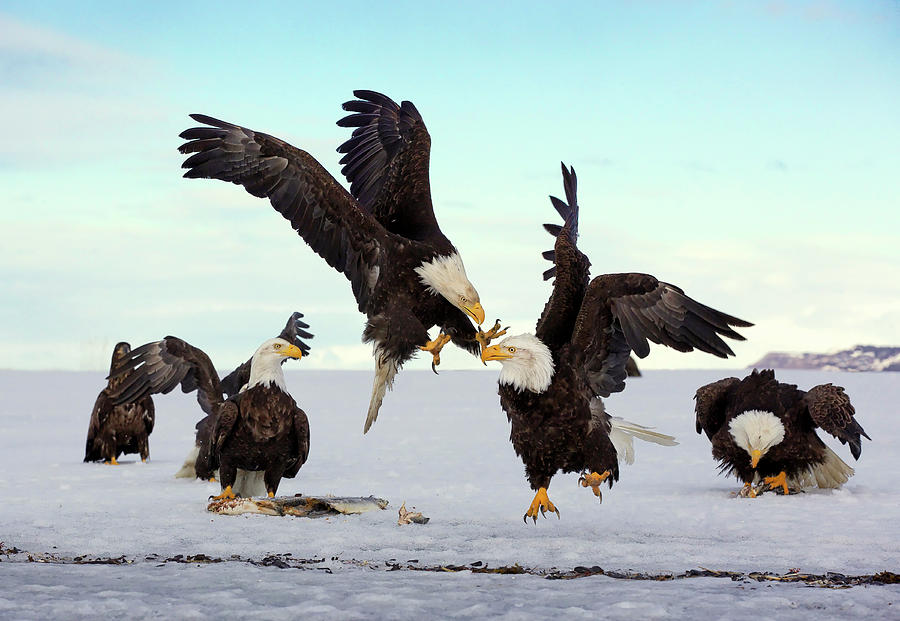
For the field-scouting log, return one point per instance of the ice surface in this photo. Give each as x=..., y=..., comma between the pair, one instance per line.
x=441, y=444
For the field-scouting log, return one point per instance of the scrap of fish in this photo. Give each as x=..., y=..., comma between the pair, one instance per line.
x=299, y=505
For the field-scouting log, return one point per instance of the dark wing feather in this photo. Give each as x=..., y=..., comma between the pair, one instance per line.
x=299, y=188
x=159, y=366
x=301, y=433
x=570, y=268
x=712, y=401
x=227, y=417
x=830, y=408
x=624, y=311
x=102, y=408
x=294, y=330
x=386, y=161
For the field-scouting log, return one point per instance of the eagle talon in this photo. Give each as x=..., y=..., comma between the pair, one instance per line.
x=434, y=348
x=541, y=502
x=593, y=480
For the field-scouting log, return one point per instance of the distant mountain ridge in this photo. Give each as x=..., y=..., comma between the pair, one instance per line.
x=859, y=358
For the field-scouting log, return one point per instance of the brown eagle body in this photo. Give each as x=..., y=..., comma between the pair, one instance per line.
x=258, y=429
x=552, y=381
x=800, y=455
x=119, y=429
x=567, y=437
x=380, y=234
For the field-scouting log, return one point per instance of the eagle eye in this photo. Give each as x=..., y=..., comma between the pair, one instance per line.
x=277, y=345
x=512, y=350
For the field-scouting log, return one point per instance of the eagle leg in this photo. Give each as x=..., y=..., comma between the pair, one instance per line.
x=225, y=495
x=485, y=338
x=434, y=348
x=112, y=462
x=593, y=480
x=747, y=490
x=779, y=479
x=541, y=501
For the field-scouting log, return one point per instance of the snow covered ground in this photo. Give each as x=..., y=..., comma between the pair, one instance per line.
x=440, y=444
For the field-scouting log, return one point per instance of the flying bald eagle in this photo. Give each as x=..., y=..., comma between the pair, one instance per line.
x=551, y=382
x=259, y=429
x=764, y=430
x=123, y=428
x=382, y=234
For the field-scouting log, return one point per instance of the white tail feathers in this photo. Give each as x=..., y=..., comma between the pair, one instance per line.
x=187, y=468
x=249, y=483
x=832, y=473
x=385, y=370
x=622, y=433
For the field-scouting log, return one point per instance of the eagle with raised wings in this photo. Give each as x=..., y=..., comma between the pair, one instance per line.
x=764, y=432
x=551, y=381
x=382, y=235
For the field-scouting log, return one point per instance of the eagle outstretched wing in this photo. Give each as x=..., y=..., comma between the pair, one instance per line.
x=621, y=312
x=159, y=366
x=830, y=408
x=386, y=161
x=294, y=330
x=325, y=215
x=570, y=269
x=712, y=401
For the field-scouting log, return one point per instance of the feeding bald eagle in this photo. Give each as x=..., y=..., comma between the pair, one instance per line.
x=259, y=429
x=551, y=382
x=382, y=234
x=123, y=428
x=763, y=429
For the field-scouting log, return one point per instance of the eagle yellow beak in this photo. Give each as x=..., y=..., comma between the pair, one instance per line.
x=755, y=456
x=291, y=351
x=494, y=352
x=475, y=312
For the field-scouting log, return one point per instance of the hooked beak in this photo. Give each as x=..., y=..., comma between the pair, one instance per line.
x=494, y=352
x=475, y=312
x=755, y=456
x=291, y=351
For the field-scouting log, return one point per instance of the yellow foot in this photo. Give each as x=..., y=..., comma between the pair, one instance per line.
x=434, y=347
x=779, y=479
x=111, y=462
x=484, y=338
x=225, y=495
x=593, y=480
x=542, y=502
x=143, y=461
x=271, y=494
x=212, y=479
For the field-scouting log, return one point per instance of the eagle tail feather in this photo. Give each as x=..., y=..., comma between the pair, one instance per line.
x=385, y=370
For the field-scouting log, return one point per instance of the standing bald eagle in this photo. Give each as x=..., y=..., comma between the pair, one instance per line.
x=763, y=429
x=382, y=234
x=119, y=428
x=248, y=484
x=551, y=382
x=258, y=429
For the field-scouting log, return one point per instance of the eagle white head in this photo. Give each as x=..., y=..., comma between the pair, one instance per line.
x=527, y=362
x=756, y=431
x=446, y=276
x=265, y=366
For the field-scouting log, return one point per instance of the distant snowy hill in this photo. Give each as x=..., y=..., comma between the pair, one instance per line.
x=859, y=358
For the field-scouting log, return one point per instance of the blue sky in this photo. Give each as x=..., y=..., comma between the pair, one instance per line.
x=746, y=151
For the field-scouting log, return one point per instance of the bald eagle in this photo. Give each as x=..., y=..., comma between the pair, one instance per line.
x=248, y=483
x=382, y=235
x=764, y=431
x=259, y=429
x=119, y=428
x=552, y=381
